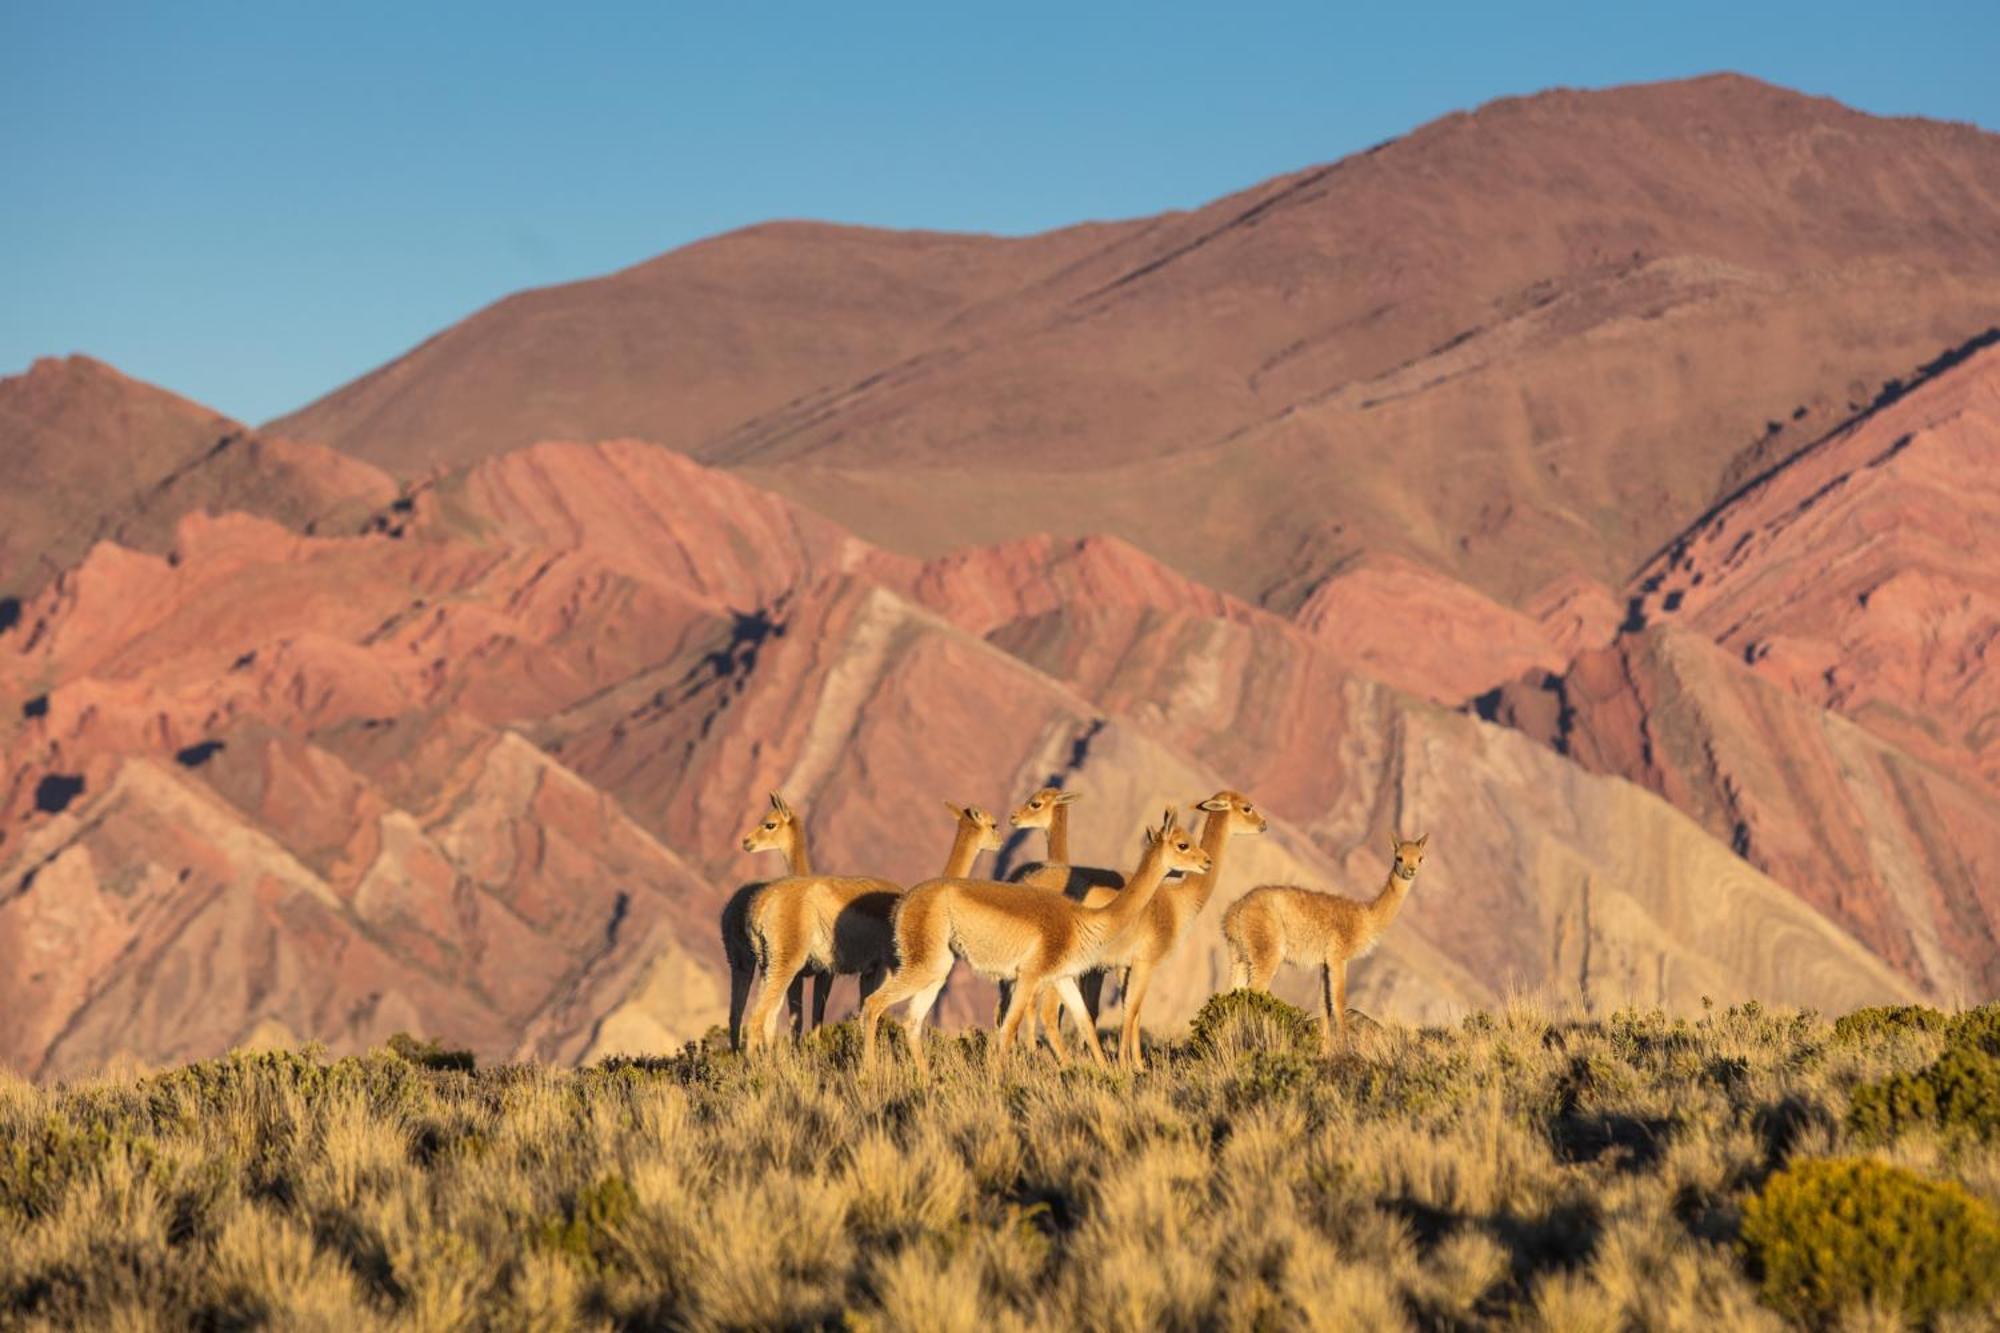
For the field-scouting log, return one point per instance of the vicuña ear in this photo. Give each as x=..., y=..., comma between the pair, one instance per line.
x=956, y=813
x=778, y=804
x=1066, y=797
x=1171, y=821
x=1395, y=843
x=1424, y=840
x=1215, y=804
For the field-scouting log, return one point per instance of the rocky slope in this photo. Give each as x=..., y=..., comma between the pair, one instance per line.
x=1627, y=299
x=480, y=768
x=92, y=454
x=1866, y=575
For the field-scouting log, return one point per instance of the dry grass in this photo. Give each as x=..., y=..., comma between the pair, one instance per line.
x=1515, y=1171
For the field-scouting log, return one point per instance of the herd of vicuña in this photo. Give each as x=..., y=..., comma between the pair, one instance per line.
x=1049, y=934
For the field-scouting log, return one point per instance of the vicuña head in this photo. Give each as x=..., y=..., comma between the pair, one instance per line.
x=1243, y=813
x=1409, y=854
x=1039, y=810
x=1179, y=853
x=778, y=831
x=977, y=832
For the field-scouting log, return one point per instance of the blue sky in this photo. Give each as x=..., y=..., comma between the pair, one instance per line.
x=253, y=203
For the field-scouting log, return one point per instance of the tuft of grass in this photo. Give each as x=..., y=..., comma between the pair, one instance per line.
x=1524, y=1168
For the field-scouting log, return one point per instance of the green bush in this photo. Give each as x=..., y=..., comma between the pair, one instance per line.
x=429, y=1054
x=1833, y=1232
x=1887, y=1020
x=1246, y=1019
x=1978, y=1028
x=1959, y=1092
x=582, y=1233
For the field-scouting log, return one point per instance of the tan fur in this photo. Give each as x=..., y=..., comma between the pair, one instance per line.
x=1048, y=809
x=1276, y=922
x=831, y=924
x=1166, y=922
x=1011, y=931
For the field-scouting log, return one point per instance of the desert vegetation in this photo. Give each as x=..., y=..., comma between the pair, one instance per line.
x=1521, y=1169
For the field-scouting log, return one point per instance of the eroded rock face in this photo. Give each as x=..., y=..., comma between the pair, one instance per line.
x=1894, y=849
x=482, y=770
x=1865, y=574
x=1433, y=636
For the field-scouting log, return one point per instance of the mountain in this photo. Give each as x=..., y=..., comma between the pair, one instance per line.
x=480, y=768
x=1865, y=576
x=92, y=454
x=1518, y=343
x=1810, y=671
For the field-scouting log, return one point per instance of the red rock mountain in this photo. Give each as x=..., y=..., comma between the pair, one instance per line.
x=1528, y=340
x=1334, y=493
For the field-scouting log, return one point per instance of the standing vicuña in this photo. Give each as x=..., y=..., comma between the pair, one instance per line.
x=1276, y=922
x=1165, y=924
x=1048, y=809
x=1008, y=930
x=831, y=924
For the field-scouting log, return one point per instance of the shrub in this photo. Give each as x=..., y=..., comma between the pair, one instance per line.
x=1887, y=1020
x=1959, y=1092
x=1978, y=1028
x=1267, y=1076
x=1833, y=1232
x=1241, y=1020
x=428, y=1054
x=581, y=1233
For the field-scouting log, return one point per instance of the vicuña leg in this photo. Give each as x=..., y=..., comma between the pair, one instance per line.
x=900, y=986
x=1071, y=995
x=1051, y=1014
x=822, y=989
x=1137, y=978
x=781, y=977
x=741, y=973
x=1333, y=988
x=913, y=1023
x=1020, y=999
x=1266, y=952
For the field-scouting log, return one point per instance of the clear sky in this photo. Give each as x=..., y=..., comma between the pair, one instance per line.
x=253, y=203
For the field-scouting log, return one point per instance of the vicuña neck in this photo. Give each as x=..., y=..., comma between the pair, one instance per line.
x=1121, y=911
x=1214, y=837
x=1383, y=909
x=964, y=851
x=795, y=852
x=1059, y=835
